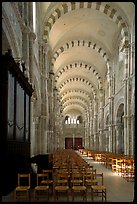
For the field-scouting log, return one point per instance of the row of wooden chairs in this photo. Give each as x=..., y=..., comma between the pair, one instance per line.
x=77, y=163
x=62, y=183
x=70, y=174
x=121, y=164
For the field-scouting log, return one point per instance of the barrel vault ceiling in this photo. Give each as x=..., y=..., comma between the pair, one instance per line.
x=83, y=38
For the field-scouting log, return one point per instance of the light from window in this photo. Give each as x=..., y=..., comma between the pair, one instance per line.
x=68, y=120
x=72, y=120
x=77, y=121
x=34, y=16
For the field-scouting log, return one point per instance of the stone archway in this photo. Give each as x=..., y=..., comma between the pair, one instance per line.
x=120, y=130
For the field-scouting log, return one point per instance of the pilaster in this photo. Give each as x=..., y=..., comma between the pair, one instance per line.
x=32, y=37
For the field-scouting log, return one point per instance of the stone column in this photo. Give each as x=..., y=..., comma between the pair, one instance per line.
x=59, y=128
x=90, y=125
x=61, y=138
x=91, y=128
x=83, y=133
x=87, y=130
x=37, y=141
x=129, y=139
x=39, y=134
x=107, y=140
x=25, y=50
x=101, y=136
x=30, y=14
x=51, y=103
x=32, y=132
x=111, y=106
x=132, y=78
x=44, y=94
x=126, y=104
x=95, y=124
x=47, y=93
x=56, y=117
x=44, y=142
x=132, y=59
x=117, y=136
x=32, y=37
x=113, y=125
x=130, y=91
x=133, y=135
x=42, y=135
x=26, y=13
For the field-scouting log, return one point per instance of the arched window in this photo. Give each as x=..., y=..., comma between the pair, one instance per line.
x=72, y=120
x=66, y=119
x=79, y=118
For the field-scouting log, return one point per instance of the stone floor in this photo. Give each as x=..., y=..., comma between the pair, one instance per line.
x=118, y=189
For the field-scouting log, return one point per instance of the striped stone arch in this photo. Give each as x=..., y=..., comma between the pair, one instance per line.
x=77, y=107
x=80, y=65
x=78, y=79
x=84, y=92
x=80, y=43
x=103, y=7
x=75, y=98
x=75, y=103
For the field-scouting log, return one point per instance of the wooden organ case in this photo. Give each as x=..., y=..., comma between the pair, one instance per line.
x=16, y=93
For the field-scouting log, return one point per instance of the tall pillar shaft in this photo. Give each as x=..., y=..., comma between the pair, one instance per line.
x=111, y=139
x=101, y=119
x=25, y=51
x=127, y=105
x=31, y=57
x=95, y=124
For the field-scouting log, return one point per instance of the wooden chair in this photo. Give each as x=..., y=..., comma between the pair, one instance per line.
x=49, y=180
x=77, y=185
x=90, y=178
x=128, y=170
x=40, y=190
x=23, y=189
x=99, y=189
x=61, y=184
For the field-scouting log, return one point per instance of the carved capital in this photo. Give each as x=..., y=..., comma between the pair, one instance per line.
x=32, y=35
